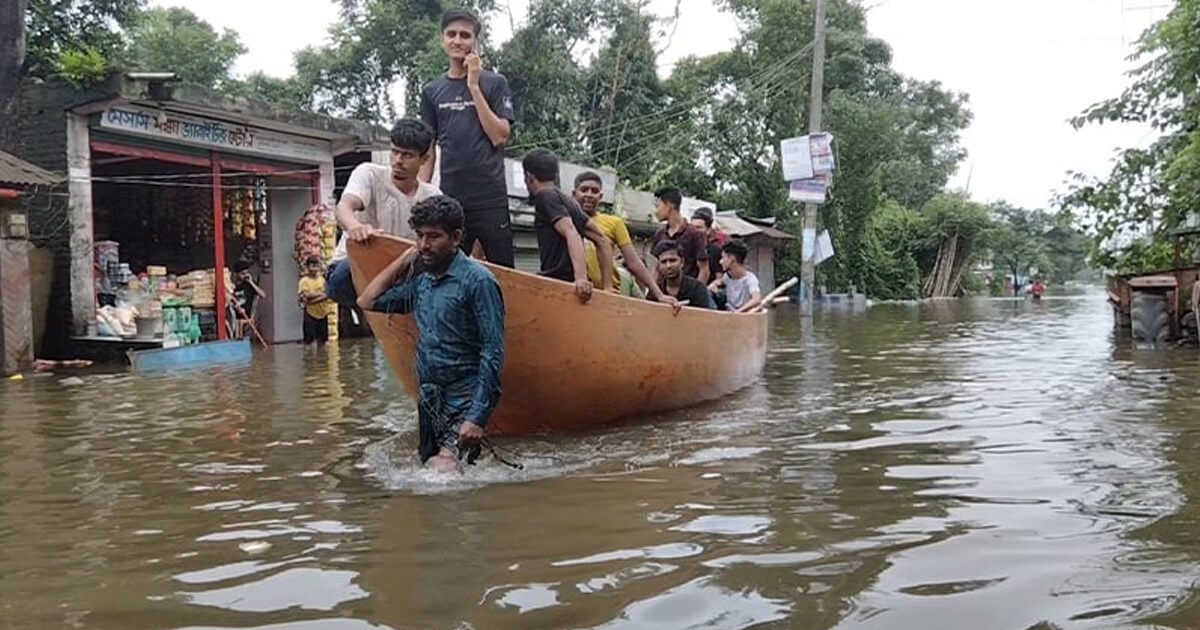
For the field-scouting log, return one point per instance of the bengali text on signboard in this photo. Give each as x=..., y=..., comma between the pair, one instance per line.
x=214, y=134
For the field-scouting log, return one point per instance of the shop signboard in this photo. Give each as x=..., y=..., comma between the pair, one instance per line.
x=214, y=134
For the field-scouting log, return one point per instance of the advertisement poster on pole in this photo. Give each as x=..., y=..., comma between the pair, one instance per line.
x=808, y=239
x=812, y=190
x=822, y=153
x=796, y=157
x=823, y=248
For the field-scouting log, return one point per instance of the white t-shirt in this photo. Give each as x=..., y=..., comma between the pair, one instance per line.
x=739, y=290
x=384, y=206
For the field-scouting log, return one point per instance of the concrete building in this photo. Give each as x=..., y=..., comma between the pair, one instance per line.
x=18, y=180
x=155, y=166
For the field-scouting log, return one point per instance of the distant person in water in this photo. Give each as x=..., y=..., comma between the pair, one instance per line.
x=378, y=199
x=459, y=312
x=1037, y=289
x=742, y=292
x=682, y=288
x=317, y=307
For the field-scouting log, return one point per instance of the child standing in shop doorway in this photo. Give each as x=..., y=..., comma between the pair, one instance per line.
x=316, y=304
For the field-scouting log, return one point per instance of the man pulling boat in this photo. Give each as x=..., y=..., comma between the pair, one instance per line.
x=459, y=313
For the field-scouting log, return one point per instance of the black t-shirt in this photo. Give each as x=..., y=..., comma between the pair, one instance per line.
x=245, y=295
x=550, y=205
x=693, y=247
x=690, y=289
x=472, y=168
x=714, y=261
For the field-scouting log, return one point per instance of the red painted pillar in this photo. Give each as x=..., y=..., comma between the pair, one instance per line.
x=218, y=243
x=316, y=189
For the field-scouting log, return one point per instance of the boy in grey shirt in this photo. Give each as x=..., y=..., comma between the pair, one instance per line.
x=741, y=285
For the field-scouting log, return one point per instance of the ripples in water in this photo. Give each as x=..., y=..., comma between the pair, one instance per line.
x=986, y=463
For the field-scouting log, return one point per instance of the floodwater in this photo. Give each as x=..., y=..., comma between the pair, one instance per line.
x=980, y=464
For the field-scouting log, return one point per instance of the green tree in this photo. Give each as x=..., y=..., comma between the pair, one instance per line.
x=86, y=27
x=373, y=46
x=624, y=96
x=176, y=40
x=1067, y=250
x=899, y=237
x=894, y=137
x=1020, y=242
x=959, y=230
x=1152, y=190
x=287, y=92
x=547, y=82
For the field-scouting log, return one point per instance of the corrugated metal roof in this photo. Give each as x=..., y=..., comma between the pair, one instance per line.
x=14, y=170
x=730, y=223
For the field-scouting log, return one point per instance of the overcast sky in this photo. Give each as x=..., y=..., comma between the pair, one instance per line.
x=1027, y=65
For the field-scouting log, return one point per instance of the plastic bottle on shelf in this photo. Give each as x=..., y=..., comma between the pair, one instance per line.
x=194, y=329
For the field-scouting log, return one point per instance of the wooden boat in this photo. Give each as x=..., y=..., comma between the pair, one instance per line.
x=570, y=366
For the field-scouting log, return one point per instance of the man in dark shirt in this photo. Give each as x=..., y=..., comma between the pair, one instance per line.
x=246, y=293
x=702, y=220
x=674, y=282
x=693, y=245
x=459, y=313
x=561, y=225
x=470, y=110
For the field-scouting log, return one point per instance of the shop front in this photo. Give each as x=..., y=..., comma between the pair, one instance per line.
x=173, y=196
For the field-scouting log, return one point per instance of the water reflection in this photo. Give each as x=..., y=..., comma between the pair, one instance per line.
x=987, y=463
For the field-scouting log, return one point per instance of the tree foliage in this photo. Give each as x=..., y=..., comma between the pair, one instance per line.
x=176, y=40
x=373, y=46
x=91, y=28
x=547, y=81
x=623, y=100
x=1020, y=242
x=1150, y=191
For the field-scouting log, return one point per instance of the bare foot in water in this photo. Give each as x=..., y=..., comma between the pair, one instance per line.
x=442, y=463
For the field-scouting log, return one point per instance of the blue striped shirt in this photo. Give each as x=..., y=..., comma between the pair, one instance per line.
x=460, y=333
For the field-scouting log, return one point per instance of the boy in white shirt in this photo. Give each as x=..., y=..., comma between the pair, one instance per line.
x=379, y=200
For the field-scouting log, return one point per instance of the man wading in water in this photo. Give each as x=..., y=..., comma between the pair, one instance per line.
x=459, y=313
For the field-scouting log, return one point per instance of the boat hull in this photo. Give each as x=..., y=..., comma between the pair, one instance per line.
x=571, y=366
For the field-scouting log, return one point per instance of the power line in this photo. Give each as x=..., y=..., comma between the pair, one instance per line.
x=766, y=88
x=675, y=111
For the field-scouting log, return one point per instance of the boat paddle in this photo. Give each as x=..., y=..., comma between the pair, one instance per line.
x=770, y=297
x=241, y=312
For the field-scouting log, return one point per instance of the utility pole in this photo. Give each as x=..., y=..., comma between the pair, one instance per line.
x=808, y=226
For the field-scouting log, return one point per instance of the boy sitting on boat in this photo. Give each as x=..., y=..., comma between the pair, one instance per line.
x=588, y=192
x=459, y=313
x=742, y=293
x=675, y=284
x=379, y=199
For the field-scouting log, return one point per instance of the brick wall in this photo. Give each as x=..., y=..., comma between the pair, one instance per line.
x=38, y=134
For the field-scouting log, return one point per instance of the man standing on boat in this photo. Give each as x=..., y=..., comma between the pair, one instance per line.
x=470, y=110
x=693, y=245
x=561, y=227
x=459, y=313
x=379, y=199
x=589, y=190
